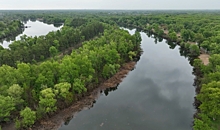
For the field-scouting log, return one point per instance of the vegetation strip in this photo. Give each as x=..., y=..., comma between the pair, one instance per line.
x=32, y=92
x=86, y=102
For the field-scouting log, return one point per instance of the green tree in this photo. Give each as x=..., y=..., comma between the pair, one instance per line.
x=214, y=61
x=69, y=70
x=199, y=38
x=56, y=44
x=28, y=117
x=201, y=125
x=206, y=45
x=194, y=50
x=7, y=105
x=23, y=73
x=16, y=92
x=62, y=89
x=47, y=100
x=79, y=86
x=172, y=36
x=7, y=75
x=210, y=96
x=185, y=35
x=53, y=51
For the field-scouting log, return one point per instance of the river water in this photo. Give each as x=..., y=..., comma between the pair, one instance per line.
x=35, y=28
x=157, y=95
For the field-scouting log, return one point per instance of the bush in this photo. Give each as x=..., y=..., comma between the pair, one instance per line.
x=28, y=118
x=7, y=105
x=194, y=49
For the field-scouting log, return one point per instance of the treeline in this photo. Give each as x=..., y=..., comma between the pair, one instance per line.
x=75, y=22
x=35, y=49
x=48, y=16
x=208, y=94
x=171, y=27
x=30, y=92
x=44, y=16
x=200, y=28
x=10, y=28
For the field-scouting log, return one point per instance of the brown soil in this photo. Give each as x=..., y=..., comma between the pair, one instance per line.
x=191, y=42
x=66, y=114
x=117, y=78
x=178, y=35
x=166, y=32
x=204, y=58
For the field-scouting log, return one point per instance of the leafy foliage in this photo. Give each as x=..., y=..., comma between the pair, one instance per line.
x=62, y=89
x=28, y=118
x=47, y=100
x=7, y=105
x=10, y=28
x=37, y=90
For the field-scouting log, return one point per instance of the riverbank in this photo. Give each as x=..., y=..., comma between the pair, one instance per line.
x=61, y=116
x=198, y=77
x=206, y=116
x=204, y=57
x=85, y=103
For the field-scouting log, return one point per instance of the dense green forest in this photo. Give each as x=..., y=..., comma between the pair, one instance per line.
x=30, y=92
x=35, y=79
x=35, y=49
x=10, y=28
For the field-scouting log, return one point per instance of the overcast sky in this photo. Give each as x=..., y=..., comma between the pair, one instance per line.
x=109, y=4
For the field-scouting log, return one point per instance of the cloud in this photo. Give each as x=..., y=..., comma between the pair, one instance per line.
x=109, y=4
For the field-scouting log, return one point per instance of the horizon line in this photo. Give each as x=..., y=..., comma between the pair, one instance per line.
x=109, y=9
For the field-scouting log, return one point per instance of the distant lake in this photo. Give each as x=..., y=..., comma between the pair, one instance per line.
x=35, y=28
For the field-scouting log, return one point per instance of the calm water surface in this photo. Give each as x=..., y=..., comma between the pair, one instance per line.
x=157, y=95
x=35, y=28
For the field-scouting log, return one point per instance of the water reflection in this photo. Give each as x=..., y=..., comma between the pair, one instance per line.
x=10, y=38
x=171, y=44
x=57, y=25
x=157, y=95
x=106, y=91
x=34, y=28
x=182, y=50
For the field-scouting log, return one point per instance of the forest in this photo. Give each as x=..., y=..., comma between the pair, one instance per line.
x=35, y=49
x=32, y=90
x=10, y=28
x=39, y=75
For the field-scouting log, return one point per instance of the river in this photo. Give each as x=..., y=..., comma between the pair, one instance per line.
x=157, y=95
x=35, y=28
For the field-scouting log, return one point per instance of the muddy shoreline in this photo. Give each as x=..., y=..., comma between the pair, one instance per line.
x=55, y=121
x=61, y=116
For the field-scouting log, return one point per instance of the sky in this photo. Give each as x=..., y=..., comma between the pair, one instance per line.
x=109, y=4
